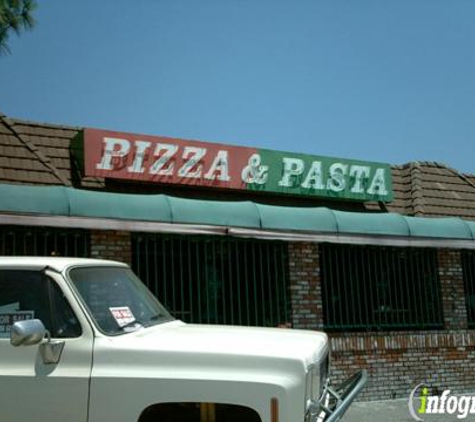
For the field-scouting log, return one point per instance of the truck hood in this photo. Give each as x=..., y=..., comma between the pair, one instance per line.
x=177, y=343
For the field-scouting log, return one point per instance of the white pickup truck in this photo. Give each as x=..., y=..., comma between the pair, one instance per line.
x=83, y=340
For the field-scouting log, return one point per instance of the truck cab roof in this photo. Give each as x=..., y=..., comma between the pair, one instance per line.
x=57, y=263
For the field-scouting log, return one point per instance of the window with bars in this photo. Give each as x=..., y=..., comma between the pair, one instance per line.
x=468, y=266
x=44, y=241
x=371, y=288
x=215, y=280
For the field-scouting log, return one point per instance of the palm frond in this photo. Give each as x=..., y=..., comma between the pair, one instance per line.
x=15, y=15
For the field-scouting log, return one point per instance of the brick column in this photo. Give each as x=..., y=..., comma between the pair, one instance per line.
x=305, y=288
x=452, y=289
x=111, y=244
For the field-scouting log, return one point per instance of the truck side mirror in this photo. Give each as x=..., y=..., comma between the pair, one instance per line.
x=31, y=332
x=27, y=333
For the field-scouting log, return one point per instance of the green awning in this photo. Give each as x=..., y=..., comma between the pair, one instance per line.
x=69, y=202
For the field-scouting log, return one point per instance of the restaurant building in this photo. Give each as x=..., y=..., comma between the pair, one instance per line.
x=380, y=257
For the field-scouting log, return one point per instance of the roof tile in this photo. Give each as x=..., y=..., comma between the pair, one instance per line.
x=10, y=140
x=39, y=130
x=4, y=129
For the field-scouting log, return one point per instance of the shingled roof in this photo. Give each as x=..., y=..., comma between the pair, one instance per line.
x=432, y=189
x=38, y=154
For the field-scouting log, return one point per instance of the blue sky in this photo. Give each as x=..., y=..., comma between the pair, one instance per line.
x=390, y=81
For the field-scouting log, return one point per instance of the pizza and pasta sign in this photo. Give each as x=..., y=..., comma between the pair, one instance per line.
x=157, y=159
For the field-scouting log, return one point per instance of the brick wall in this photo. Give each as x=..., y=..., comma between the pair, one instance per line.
x=396, y=361
x=452, y=288
x=305, y=287
x=111, y=244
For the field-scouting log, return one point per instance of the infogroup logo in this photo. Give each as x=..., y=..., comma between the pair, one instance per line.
x=421, y=403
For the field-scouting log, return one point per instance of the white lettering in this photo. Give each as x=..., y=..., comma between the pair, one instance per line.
x=158, y=166
x=292, y=167
x=432, y=404
x=472, y=406
x=220, y=163
x=110, y=152
x=464, y=406
x=314, y=177
x=254, y=172
x=193, y=156
x=359, y=173
x=337, y=182
x=451, y=406
x=378, y=184
x=443, y=399
x=140, y=150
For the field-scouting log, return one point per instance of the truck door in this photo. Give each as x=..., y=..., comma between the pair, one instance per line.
x=31, y=389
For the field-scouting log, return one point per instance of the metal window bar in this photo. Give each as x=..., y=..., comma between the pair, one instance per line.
x=206, y=279
x=371, y=288
x=44, y=241
x=468, y=266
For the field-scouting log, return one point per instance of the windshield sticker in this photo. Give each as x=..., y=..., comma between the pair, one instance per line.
x=123, y=315
x=9, y=315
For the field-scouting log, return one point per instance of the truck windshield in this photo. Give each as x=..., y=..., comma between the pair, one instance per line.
x=117, y=300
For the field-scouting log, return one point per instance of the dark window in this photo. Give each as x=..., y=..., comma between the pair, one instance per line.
x=43, y=241
x=367, y=288
x=468, y=265
x=31, y=294
x=216, y=280
x=195, y=412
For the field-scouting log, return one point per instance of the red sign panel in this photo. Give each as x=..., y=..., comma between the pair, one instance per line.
x=164, y=160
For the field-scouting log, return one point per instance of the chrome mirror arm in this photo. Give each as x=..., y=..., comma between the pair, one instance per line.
x=51, y=350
